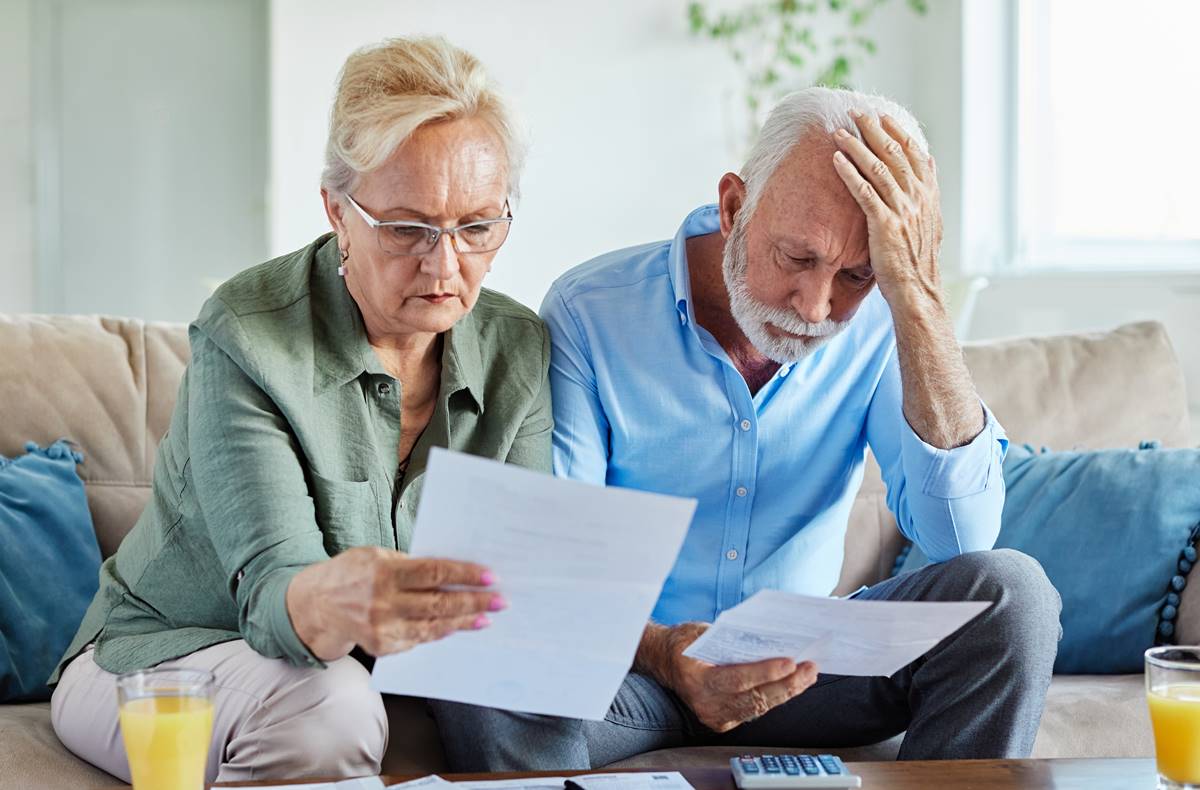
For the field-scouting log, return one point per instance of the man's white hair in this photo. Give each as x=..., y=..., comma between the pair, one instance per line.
x=813, y=109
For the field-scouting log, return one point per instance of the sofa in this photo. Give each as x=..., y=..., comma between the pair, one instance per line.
x=110, y=385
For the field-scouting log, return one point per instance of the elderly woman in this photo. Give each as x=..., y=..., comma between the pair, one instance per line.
x=285, y=490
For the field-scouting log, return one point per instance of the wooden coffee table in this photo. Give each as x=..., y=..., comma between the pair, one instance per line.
x=1065, y=774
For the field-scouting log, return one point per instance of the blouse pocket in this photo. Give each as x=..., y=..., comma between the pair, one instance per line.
x=346, y=511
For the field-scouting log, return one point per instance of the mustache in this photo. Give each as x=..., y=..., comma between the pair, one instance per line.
x=787, y=320
x=790, y=323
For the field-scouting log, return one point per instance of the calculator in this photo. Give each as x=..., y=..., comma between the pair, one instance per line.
x=751, y=772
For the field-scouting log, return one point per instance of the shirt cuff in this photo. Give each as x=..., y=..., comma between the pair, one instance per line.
x=964, y=471
x=273, y=597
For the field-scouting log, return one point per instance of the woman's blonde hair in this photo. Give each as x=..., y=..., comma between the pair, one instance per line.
x=388, y=90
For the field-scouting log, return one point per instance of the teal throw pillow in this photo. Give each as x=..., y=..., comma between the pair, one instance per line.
x=49, y=565
x=1114, y=531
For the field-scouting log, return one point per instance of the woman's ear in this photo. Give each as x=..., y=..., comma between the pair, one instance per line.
x=731, y=193
x=333, y=210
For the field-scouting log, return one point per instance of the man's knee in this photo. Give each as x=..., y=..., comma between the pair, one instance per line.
x=1025, y=604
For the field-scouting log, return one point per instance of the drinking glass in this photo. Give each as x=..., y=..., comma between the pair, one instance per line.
x=1173, y=693
x=166, y=721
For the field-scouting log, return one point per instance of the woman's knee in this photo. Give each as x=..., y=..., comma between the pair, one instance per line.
x=326, y=722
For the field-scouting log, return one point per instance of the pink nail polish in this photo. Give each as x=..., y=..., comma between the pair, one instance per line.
x=497, y=604
x=481, y=621
x=487, y=579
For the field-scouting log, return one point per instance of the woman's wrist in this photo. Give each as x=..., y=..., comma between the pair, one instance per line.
x=306, y=611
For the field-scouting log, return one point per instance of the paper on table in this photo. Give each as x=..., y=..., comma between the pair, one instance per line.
x=529, y=783
x=364, y=783
x=659, y=780
x=843, y=637
x=580, y=565
x=431, y=782
x=656, y=780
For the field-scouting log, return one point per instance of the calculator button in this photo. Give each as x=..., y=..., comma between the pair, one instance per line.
x=809, y=765
x=830, y=763
x=749, y=766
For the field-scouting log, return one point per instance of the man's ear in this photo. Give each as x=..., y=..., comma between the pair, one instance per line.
x=333, y=210
x=732, y=195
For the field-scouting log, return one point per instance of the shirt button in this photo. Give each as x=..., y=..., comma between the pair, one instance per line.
x=741, y=490
x=745, y=425
x=384, y=388
x=731, y=554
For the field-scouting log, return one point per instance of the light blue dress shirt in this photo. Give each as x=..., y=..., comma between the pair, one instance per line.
x=645, y=398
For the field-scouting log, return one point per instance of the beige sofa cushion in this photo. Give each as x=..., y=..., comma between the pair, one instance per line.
x=107, y=383
x=1086, y=391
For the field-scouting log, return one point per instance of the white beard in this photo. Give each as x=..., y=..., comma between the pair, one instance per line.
x=752, y=316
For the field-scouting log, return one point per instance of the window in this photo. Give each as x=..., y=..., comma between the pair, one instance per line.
x=1107, y=156
x=1079, y=150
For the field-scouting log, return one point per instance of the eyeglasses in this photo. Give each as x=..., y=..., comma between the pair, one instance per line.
x=417, y=238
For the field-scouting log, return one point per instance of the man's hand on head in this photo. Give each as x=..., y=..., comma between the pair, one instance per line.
x=722, y=697
x=895, y=184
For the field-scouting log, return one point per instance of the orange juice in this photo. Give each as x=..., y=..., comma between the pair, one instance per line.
x=1175, y=714
x=166, y=740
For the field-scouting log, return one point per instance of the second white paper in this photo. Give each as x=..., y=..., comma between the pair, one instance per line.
x=580, y=565
x=843, y=637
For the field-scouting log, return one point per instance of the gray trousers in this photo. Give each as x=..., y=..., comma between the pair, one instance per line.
x=977, y=694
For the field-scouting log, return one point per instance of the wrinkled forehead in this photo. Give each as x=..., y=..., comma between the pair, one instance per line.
x=806, y=197
x=806, y=183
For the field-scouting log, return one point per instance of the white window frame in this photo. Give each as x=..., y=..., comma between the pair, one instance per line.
x=997, y=223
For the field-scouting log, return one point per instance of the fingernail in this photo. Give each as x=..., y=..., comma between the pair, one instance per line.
x=497, y=604
x=842, y=133
x=855, y=114
x=838, y=155
x=487, y=579
x=481, y=621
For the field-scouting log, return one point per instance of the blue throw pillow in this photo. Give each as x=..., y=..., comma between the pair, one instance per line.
x=49, y=565
x=1109, y=527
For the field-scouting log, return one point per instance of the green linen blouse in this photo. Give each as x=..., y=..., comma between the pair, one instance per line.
x=282, y=452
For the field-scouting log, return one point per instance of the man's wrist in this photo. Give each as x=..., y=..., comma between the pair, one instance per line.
x=912, y=300
x=655, y=655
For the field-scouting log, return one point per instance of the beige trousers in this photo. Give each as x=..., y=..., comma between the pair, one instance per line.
x=271, y=720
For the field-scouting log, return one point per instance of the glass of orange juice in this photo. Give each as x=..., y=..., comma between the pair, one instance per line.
x=166, y=721
x=1173, y=692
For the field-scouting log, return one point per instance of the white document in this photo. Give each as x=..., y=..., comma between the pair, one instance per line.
x=580, y=565
x=431, y=782
x=659, y=780
x=843, y=637
x=655, y=780
x=530, y=783
x=365, y=783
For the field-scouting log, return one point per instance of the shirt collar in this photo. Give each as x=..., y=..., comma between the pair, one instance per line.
x=704, y=220
x=342, y=352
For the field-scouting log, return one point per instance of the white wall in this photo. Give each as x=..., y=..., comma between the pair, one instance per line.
x=16, y=159
x=624, y=107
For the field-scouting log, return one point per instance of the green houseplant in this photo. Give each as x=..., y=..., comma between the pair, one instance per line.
x=782, y=45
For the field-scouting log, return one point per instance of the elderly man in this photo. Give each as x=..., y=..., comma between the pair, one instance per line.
x=749, y=363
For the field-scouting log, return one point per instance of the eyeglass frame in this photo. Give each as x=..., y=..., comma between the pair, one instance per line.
x=438, y=232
